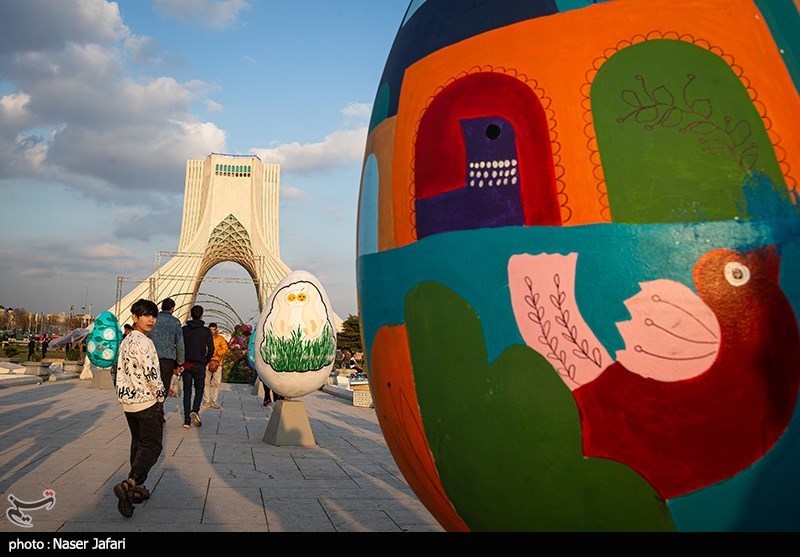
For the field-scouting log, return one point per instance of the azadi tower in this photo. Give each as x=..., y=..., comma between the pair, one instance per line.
x=230, y=213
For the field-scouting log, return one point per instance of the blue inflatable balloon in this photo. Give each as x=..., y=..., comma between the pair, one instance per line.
x=102, y=344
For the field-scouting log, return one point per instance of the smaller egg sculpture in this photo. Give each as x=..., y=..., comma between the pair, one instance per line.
x=102, y=344
x=251, y=350
x=295, y=342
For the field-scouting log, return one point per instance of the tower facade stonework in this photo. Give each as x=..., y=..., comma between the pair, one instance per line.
x=230, y=213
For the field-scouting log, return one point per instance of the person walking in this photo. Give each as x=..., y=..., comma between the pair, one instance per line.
x=31, y=348
x=141, y=393
x=214, y=371
x=45, y=345
x=167, y=337
x=199, y=349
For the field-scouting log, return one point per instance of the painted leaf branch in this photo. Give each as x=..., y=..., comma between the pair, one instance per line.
x=571, y=334
x=725, y=139
x=537, y=315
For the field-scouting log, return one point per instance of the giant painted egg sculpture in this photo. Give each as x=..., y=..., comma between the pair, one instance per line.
x=102, y=343
x=295, y=342
x=578, y=259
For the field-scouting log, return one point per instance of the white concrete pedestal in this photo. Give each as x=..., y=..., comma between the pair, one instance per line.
x=102, y=378
x=258, y=388
x=289, y=425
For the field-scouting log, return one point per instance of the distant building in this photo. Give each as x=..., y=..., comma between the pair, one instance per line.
x=59, y=318
x=82, y=320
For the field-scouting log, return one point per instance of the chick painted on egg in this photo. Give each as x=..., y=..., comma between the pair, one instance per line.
x=295, y=339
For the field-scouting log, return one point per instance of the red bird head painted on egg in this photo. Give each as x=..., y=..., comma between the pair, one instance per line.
x=730, y=282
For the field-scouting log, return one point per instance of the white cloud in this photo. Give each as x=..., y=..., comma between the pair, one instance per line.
x=338, y=148
x=162, y=217
x=62, y=259
x=111, y=135
x=34, y=25
x=228, y=266
x=143, y=50
x=14, y=113
x=34, y=152
x=294, y=193
x=105, y=251
x=336, y=213
x=213, y=106
x=216, y=14
x=357, y=114
x=34, y=272
x=357, y=110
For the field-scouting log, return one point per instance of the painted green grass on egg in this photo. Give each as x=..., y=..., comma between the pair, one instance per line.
x=296, y=354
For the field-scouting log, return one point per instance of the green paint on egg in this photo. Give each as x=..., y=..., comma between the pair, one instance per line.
x=380, y=110
x=678, y=134
x=506, y=437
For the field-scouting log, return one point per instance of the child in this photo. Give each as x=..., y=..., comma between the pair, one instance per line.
x=141, y=393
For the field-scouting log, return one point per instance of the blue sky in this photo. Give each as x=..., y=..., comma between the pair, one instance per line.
x=91, y=90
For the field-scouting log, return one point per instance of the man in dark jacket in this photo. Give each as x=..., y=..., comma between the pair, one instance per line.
x=199, y=349
x=168, y=339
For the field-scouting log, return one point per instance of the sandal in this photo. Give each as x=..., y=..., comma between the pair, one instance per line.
x=139, y=494
x=122, y=491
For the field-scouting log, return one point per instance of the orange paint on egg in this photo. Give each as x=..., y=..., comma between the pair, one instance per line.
x=398, y=413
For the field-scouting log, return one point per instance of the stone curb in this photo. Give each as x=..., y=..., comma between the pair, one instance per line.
x=12, y=380
x=64, y=376
x=340, y=392
x=18, y=380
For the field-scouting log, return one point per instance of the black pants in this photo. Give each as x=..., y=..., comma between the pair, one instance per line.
x=147, y=430
x=197, y=375
x=167, y=366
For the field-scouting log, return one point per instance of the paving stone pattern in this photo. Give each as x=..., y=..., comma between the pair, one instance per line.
x=220, y=477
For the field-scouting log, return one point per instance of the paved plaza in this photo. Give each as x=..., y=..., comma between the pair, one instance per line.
x=221, y=477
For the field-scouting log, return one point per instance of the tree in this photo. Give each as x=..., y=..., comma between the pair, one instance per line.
x=350, y=336
x=21, y=319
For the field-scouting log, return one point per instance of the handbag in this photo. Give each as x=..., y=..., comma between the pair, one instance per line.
x=213, y=365
x=176, y=386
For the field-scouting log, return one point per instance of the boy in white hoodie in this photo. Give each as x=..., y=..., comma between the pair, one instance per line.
x=141, y=393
